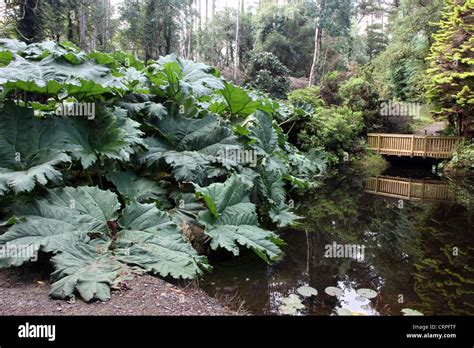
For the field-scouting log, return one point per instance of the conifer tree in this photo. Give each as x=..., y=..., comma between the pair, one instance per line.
x=452, y=65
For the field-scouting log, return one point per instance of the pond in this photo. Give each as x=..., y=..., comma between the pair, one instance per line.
x=414, y=254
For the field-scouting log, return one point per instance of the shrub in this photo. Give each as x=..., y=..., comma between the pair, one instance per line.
x=309, y=95
x=335, y=129
x=461, y=167
x=129, y=187
x=330, y=84
x=359, y=94
x=266, y=73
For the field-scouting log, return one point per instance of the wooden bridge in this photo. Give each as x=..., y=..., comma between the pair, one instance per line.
x=410, y=189
x=412, y=145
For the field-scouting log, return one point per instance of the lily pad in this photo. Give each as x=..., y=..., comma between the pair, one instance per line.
x=360, y=299
x=293, y=300
x=290, y=305
x=367, y=293
x=333, y=291
x=343, y=312
x=287, y=310
x=410, y=312
x=307, y=291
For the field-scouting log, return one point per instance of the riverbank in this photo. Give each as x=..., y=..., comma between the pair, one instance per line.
x=23, y=292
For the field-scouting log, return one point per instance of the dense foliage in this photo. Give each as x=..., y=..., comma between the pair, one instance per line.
x=169, y=150
x=266, y=73
x=452, y=76
x=340, y=109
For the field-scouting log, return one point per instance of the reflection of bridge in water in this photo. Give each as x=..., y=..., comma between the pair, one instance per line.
x=410, y=189
x=412, y=145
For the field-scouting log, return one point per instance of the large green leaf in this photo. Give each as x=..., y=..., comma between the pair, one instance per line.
x=264, y=136
x=91, y=269
x=47, y=68
x=271, y=191
x=187, y=208
x=262, y=242
x=110, y=135
x=29, y=150
x=132, y=187
x=192, y=147
x=238, y=102
x=152, y=241
x=67, y=214
x=93, y=243
x=46, y=227
x=101, y=206
x=180, y=75
x=231, y=220
x=146, y=217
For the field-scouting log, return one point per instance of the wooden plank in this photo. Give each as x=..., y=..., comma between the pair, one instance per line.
x=411, y=189
x=412, y=145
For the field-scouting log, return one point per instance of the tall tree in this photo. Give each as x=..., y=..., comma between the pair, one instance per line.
x=452, y=76
x=333, y=24
x=27, y=19
x=237, y=42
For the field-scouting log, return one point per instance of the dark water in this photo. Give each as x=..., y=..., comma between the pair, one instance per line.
x=417, y=255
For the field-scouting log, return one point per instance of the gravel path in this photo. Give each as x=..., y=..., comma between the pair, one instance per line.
x=25, y=292
x=432, y=129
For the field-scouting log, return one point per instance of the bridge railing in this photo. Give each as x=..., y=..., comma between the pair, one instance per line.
x=412, y=145
x=411, y=189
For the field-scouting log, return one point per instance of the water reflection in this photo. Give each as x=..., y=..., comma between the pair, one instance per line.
x=409, y=188
x=418, y=255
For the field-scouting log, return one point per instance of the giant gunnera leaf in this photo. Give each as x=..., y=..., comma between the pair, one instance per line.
x=95, y=244
x=133, y=187
x=111, y=134
x=193, y=148
x=29, y=150
x=175, y=75
x=231, y=220
x=48, y=68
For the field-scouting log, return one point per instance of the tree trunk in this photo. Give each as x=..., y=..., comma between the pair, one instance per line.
x=70, y=23
x=317, y=50
x=237, y=43
x=29, y=26
x=82, y=26
x=198, y=48
x=191, y=24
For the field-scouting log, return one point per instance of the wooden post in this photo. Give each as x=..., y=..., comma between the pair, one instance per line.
x=426, y=147
x=409, y=189
x=376, y=185
x=412, y=145
x=378, y=143
x=423, y=190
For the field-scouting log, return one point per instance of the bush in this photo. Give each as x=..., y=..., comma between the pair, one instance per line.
x=137, y=182
x=309, y=95
x=330, y=84
x=335, y=129
x=266, y=73
x=461, y=167
x=359, y=94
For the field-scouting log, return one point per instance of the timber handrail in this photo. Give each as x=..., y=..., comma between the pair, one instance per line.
x=413, y=145
x=410, y=189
